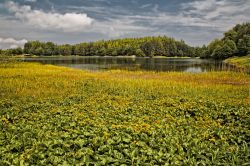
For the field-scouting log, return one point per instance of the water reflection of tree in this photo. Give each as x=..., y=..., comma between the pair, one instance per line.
x=152, y=64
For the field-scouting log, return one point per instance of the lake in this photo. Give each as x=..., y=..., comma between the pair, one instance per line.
x=194, y=65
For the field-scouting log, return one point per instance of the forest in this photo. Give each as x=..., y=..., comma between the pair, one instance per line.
x=236, y=41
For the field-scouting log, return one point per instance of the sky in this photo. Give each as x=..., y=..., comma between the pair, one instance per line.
x=197, y=22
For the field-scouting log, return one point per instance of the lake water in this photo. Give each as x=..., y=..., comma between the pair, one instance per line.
x=194, y=65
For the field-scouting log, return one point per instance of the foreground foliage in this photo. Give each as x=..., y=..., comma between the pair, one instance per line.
x=57, y=116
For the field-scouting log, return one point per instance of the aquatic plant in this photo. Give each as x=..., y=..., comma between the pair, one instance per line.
x=59, y=116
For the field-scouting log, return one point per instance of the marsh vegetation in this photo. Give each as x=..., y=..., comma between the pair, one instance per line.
x=55, y=115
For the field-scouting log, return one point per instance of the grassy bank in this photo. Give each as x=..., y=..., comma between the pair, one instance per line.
x=55, y=115
x=241, y=62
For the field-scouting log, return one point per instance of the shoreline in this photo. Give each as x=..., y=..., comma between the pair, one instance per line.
x=239, y=62
x=96, y=56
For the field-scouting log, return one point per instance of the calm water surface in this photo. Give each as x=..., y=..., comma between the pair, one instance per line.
x=194, y=65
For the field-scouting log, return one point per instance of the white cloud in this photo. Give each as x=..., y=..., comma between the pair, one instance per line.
x=220, y=14
x=68, y=22
x=145, y=5
x=30, y=0
x=119, y=27
x=155, y=8
x=199, y=20
x=11, y=43
x=202, y=5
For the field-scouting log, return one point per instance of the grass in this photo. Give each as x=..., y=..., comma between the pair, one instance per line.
x=59, y=116
x=242, y=62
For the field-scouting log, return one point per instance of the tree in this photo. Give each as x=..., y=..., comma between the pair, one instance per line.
x=65, y=49
x=232, y=46
x=244, y=46
x=16, y=51
x=226, y=52
x=114, y=53
x=139, y=53
x=27, y=48
x=230, y=35
x=213, y=48
x=146, y=46
x=157, y=47
x=217, y=52
x=235, y=42
x=38, y=51
x=49, y=49
x=102, y=51
x=222, y=52
x=80, y=49
x=173, y=49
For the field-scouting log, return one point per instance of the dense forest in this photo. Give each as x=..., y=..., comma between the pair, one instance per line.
x=235, y=42
x=147, y=46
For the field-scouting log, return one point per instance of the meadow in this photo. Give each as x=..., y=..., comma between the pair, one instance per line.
x=53, y=115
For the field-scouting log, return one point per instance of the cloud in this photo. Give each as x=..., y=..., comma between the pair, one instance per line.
x=202, y=5
x=11, y=43
x=119, y=27
x=68, y=22
x=196, y=21
x=145, y=6
x=220, y=14
x=113, y=22
x=30, y=0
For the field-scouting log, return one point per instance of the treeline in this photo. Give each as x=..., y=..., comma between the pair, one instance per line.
x=236, y=42
x=13, y=51
x=147, y=46
x=141, y=47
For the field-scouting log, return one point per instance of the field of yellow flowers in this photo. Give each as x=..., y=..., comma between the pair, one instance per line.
x=59, y=116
